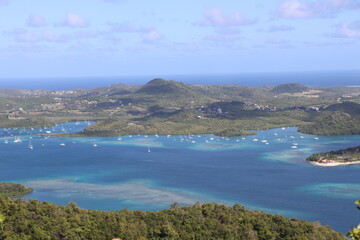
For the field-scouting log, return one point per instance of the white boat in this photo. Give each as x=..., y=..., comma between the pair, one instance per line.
x=119, y=139
x=47, y=131
x=193, y=142
x=263, y=141
x=17, y=140
x=6, y=141
x=95, y=145
x=148, y=149
x=62, y=144
x=294, y=147
x=255, y=140
x=30, y=146
x=316, y=138
x=301, y=136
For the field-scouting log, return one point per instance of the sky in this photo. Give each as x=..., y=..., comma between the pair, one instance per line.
x=81, y=38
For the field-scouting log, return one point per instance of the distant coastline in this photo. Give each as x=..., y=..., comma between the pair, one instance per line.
x=309, y=78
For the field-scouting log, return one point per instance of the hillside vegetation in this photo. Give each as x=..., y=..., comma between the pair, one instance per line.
x=289, y=88
x=170, y=107
x=13, y=189
x=342, y=156
x=338, y=119
x=41, y=220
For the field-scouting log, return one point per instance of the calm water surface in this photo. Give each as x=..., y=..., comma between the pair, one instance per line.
x=151, y=172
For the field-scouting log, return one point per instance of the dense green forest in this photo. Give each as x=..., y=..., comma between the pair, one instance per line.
x=36, y=220
x=345, y=155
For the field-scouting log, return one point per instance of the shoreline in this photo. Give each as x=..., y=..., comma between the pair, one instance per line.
x=335, y=164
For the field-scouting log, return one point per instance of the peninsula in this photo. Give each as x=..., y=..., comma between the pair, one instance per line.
x=336, y=158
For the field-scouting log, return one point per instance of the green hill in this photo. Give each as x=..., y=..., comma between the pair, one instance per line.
x=334, y=123
x=41, y=220
x=160, y=86
x=348, y=107
x=289, y=88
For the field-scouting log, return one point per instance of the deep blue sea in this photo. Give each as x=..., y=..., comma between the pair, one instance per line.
x=316, y=79
x=151, y=172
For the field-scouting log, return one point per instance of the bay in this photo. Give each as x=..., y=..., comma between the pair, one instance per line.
x=151, y=172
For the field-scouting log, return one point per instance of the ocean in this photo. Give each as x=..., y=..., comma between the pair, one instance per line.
x=113, y=173
x=316, y=79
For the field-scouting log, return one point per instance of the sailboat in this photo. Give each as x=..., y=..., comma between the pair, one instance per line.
x=148, y=149
x=30, y=146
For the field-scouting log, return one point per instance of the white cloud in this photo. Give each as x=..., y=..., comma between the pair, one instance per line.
x=26, y=36
x=36, y=21
x=152, y=36
x=50, y=36
x=320, y=8
x=74, y=20
x=216, y=18
x=295, y=9
x=348, y=30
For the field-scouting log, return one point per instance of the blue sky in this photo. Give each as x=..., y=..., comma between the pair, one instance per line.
x=42, y=38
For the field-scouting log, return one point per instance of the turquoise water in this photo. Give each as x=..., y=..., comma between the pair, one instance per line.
x=116, y=174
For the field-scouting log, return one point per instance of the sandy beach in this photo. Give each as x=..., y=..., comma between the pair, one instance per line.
x=334, y=164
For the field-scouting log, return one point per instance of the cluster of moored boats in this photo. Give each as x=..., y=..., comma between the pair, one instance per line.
x=180, y=138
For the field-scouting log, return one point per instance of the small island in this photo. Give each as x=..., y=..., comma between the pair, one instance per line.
x=13, y=190
x=336, y=158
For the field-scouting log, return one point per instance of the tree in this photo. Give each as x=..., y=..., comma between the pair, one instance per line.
x=2, y=219
x=355, y=233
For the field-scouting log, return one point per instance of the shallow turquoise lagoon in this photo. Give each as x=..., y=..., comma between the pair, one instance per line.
x=151, y=172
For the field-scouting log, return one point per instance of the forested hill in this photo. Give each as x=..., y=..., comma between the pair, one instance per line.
x=337, y=119
x=41, y=220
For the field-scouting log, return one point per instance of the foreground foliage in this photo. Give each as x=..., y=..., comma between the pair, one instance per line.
x=355, y=233
x=41, y=220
